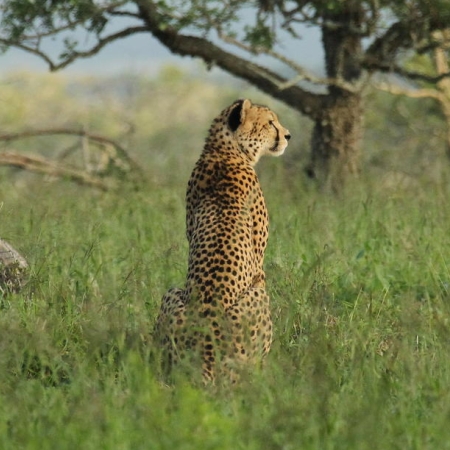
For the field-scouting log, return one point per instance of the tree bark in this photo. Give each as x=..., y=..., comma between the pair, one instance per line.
x=335, y=141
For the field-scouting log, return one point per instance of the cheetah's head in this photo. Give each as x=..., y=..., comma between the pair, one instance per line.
x=257, y=130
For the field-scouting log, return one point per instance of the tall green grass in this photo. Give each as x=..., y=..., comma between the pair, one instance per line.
x=360, y=299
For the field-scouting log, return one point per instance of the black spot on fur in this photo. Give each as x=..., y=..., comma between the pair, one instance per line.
x=234, y=119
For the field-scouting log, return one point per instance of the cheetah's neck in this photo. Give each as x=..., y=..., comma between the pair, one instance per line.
x=222, y=143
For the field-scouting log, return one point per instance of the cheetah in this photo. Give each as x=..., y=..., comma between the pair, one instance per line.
x=221, y=320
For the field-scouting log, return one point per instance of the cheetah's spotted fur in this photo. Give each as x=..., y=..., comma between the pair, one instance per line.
x=222, y=316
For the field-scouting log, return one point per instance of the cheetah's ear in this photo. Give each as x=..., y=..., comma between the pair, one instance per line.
x=238, y=113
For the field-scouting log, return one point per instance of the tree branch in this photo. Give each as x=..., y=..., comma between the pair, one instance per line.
x=32, y=50
x=380, y=55
x=102, y=42
x=302, y=73
x=44, y=166
x=412, y=93
x=411, y=75
x=102, y=140
x=386, y=46
x=308, y=103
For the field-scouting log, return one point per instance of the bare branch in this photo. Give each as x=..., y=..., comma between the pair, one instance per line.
x=44, y=166
x=124, y=14
x=266, y=51
x=413, y=93
x=99, y=139
x=337, y=82
x=38, y=35
x=102, y=42
x=411, y=75
x=33, y=50
x=302, y=73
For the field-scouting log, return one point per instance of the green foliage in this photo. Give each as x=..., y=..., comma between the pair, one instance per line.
x=27, y=21
x=20, y=16
x=438, y=10
x=200, y=14
x=260, y=21
x=260, y=35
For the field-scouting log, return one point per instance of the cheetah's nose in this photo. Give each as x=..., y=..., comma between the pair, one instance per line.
x=287, y=136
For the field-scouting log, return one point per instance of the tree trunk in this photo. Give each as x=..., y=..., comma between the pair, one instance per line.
x=336, y=139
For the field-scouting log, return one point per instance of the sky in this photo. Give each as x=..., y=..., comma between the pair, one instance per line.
x=142, y=53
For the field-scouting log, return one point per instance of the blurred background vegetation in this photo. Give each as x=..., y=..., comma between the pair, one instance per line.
x=162, y=121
